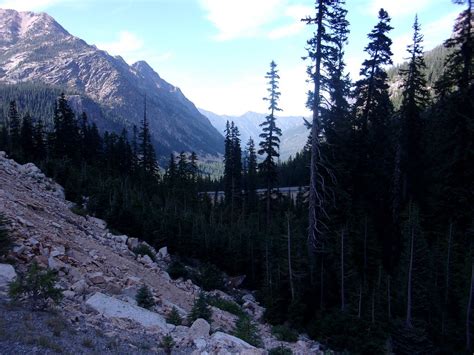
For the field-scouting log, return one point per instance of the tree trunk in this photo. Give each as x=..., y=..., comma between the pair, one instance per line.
x=446, y=291
x=389, y=300
x=314, y=195
x=469, y=311
x=410, y=271
x=359, y=313
x=343, y=305
x=290, y=272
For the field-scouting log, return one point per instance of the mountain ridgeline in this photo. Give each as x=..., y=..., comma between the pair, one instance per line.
x=34, y=48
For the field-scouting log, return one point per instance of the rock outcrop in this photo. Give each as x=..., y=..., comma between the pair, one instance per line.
x=100, y=274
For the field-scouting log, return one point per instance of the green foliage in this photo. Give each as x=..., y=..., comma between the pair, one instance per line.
x=285, y=333
x=177, y=269
x=225, y=305
x=200, y=309
x=167, y=343
x=247, y=330
x=37, y=286
x=79, y=210
x=144, y=297
x=281, y=350
x=143, y=249
x=174, y=317
x=5, y=238
x=210, y=277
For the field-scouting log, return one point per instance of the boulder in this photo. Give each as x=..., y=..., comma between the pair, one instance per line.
x=98, y=222
x=80, y=287
x=145, y=259
x=122, y=239
x=163, y=253
x=58, y=251
x=132, y=243
x=115, y=308
x=96, y=278
x=7, y=275
x=199, y=329
x=229, y=341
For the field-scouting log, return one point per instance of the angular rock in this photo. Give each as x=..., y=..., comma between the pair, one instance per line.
x=199, y=329
x=163, y=253
x=7, y=275
x=227, y=340
x=80, y=286
x=115, y=308
x=132, y=243
x=96, y=278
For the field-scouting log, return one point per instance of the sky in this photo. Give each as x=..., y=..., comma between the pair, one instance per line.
x=218, y=51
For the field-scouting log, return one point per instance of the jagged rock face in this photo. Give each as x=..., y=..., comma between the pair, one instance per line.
x=35, y=48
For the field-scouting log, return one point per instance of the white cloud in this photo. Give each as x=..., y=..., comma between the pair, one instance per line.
x=296, y=13
x=398, y=7
x=240, y=18
x=29, y=5
x=132, y=48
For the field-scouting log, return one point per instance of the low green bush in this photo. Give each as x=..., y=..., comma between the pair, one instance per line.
x=145, y=298
x=225, y=305
x=37, y=286
x=143, y=249
x=167, y=343
x=200, y=309
x=284, y=333
x=5, y=237
x=174, y=317
x=247, y=330
x=281, y=350
x=177, y=269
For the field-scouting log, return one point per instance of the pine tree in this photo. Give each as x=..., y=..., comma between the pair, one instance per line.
x=148, y=162
x=236, y=166
x=14, y=129
x=270, y=143
x=251, y=173
x=145, y=298
x=320, y=51
x=228, y=162
x=415, y=99
x=66, y=131
x=193, y=167
x=26, y=138
x=39, y=141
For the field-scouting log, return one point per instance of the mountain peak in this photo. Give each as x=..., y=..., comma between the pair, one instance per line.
x=144, y=68
x=17, y=25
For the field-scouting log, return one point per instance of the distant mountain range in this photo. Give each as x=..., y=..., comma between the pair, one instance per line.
x=294, y=132
x=34, y=48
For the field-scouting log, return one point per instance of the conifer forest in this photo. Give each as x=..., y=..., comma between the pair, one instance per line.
x=374, y=252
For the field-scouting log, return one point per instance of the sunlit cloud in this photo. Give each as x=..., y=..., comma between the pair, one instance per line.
x=295, y=13
x=397, y=8
x=30, y=5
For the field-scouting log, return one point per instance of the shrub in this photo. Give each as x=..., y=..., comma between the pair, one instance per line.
x=5, y=238
x=143, y=249
x=144, y=297
x=284, y=333
x=281, y=350
x=226, y=305
x=200, y=309
x=80, y=211
x=37, y=286
x=246, y=330
x=167, y=343
x=210, y=277
x=174, y=317
x=177, y=269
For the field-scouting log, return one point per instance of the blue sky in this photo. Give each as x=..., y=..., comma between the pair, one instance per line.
x=217, y=51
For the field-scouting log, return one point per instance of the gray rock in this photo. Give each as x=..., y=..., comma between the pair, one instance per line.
x=132, y=243
x=7, y=275
x=230, y=341
x=115, y=308
x=98, y=222
x=80, y=286
x=199, y=329
x=69, y=294
x=163, y=253
x=96, y=278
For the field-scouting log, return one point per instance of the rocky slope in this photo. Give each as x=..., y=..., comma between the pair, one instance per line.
x=294, y=132
x=100, y=276
x=35, y=48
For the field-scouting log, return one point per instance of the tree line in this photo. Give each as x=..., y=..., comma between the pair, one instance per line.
x=375, y=255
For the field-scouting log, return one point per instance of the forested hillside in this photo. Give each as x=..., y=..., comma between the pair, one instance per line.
x=376, y=256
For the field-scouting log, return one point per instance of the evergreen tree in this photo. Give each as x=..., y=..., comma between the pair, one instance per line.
x=414, y=101
x=148, y=162
x=320, y=47
x=14, y=131
x=251, y=173
x=66, y=132
x=39, y=141
x=228, y=163
x=270, y=143
x=26, y=137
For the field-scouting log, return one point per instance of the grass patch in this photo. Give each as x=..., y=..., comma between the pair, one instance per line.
x=285, y=333
x=57, y=325
x=225, y=305
x=47, y=343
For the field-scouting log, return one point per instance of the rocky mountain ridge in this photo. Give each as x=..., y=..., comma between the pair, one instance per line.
x=294, y=131
x=100, y=275
x=35, y=48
